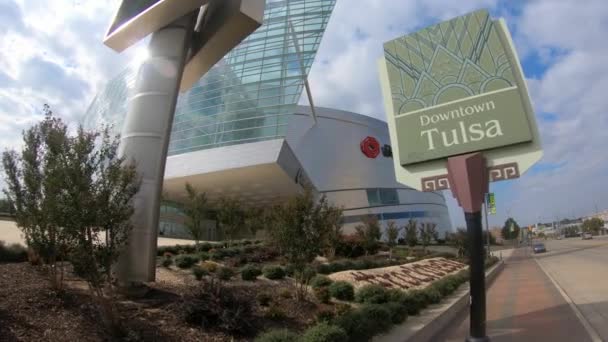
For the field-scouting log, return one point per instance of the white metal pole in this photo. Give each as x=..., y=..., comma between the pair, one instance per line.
x=145, y=139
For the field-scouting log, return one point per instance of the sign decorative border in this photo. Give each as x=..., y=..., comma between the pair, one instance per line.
x=496, y=173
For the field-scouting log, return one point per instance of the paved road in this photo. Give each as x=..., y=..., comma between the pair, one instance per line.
x=523, y=305
x=580, y=267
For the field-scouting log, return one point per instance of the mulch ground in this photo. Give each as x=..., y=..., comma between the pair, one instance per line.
x=30, y=310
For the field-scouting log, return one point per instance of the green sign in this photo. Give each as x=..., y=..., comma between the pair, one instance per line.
x=491, y=203
x=454, y=91
x=477, y=123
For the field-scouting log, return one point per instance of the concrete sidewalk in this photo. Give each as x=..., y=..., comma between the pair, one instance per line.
x=523, y=305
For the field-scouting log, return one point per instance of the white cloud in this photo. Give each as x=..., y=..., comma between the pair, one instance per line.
x=566, y=36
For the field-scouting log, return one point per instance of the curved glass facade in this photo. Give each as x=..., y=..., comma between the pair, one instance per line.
x=246, y=97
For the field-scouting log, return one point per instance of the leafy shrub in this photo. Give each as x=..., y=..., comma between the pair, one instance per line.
x=205, y=247
x=274, y=272
x=211, y=267
x=263, y=298
x=372, y=294
x=397, y=311
x=396, y=295
x=324, y=332
x=355, y=326
x=446, y=255
x=12, y=253
x=215, y=307
x=185, y=260
x=177, y=249
x=342, y=308
x=432, y=295
x=322, y=294
x=199, y=272
x=203, y=256
x=364, y=264
x=350, y=247
x=225, y=273
x=446, y=285
x=274, y=313
x=320, y=281
x=167, y=262
x=325, y=315
x=342, y=290
x=279, y=335
x=377, y=314
x=250, y=273
x=362, y=324
x=323, y=269
x=414, y=301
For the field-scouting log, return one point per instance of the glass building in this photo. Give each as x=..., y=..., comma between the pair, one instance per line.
x=246, y=97
x=239, y=133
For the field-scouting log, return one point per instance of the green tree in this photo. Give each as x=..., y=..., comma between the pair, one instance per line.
x=73, y=199
x=593, y=226
x=6, y=207
x=297, y=231
x=460, y=241
x=256, y=219
x=97, y=204
x=392, y=234
x=35, y=183
x=230, y=217
x=331, y=221
x=428, y=232
x=195, y=209
x=411, y=233
x=369, y=233
x=510, y=230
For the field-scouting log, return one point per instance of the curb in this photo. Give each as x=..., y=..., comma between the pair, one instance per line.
x=595, y=337
x=435, y=318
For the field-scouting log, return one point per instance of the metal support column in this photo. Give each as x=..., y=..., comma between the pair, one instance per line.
x=146, y=133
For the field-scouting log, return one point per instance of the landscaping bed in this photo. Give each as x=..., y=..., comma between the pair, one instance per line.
x=414, y=275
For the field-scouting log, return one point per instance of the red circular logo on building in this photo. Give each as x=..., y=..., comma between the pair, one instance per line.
x=370, y=147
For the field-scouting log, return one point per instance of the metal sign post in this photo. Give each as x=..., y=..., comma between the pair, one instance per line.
x=468, y=176
x=453, y=91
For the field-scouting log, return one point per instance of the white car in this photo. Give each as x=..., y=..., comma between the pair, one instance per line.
x=587, y=236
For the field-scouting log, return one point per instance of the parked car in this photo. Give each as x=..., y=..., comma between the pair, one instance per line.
x=587, y=236
x=559, y=237
x=539, y=248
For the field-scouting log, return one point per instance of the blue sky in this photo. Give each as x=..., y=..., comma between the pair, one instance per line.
x=51, y=52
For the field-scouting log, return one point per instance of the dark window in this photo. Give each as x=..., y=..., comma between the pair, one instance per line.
x=389, y=196
x=382, y=196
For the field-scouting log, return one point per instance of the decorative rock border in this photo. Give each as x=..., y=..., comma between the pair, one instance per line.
x=415, y=275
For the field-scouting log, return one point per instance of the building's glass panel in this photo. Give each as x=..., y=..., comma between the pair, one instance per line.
x=389, y=196
x=373, y=198
x=246, y=97
x=382, y=196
